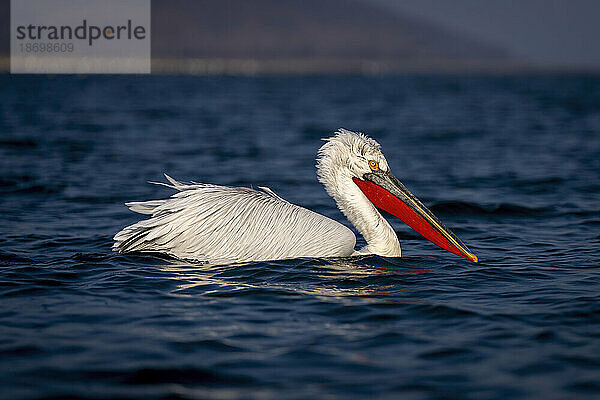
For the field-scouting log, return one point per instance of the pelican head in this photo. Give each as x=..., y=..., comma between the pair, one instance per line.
x=356, y=174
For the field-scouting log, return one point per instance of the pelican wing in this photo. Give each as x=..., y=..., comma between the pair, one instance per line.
x=221, y=224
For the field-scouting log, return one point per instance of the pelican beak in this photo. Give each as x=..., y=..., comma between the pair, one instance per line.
x=385, y=191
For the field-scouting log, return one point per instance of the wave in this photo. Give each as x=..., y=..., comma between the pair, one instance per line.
x=502, y=210
x=19, y=143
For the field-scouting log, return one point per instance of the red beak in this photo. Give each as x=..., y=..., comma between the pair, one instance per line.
x=385, y=191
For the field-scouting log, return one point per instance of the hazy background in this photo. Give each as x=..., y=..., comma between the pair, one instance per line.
x=549, y=32
x=372, y=36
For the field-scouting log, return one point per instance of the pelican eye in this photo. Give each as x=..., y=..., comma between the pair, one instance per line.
x=374, y=165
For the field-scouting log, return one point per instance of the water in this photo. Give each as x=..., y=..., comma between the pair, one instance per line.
x=512, y=164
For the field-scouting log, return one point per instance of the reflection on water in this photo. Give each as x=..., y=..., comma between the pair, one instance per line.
x=338, y=277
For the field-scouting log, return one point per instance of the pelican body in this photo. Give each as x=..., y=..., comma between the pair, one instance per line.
x=221, y=224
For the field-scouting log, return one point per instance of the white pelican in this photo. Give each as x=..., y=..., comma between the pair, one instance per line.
x=221, y=224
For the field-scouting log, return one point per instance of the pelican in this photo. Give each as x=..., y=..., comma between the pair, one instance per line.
x=220, y=224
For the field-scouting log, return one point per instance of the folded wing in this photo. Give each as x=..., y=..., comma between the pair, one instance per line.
x=221, y=224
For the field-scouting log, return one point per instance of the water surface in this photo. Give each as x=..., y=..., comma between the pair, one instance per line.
x=511, y=164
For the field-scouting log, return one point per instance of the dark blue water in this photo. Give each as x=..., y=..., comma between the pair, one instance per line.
x=512, y=164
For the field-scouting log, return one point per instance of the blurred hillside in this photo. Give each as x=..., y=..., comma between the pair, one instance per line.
x=241, y=36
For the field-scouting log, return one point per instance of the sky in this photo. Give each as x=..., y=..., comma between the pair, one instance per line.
x=562, y=33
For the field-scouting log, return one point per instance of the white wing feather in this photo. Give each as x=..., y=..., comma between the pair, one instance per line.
x=221, y=224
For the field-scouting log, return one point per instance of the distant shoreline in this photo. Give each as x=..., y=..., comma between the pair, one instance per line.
x=333, y=66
